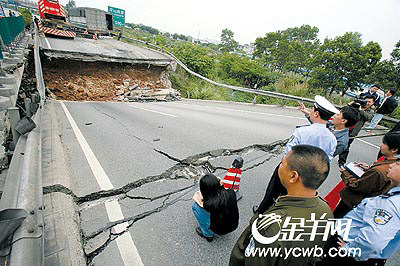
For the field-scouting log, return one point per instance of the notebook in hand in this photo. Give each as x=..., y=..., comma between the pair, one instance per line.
x=356, y=171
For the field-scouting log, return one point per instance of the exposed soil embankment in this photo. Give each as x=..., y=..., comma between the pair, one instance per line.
x=100, y=81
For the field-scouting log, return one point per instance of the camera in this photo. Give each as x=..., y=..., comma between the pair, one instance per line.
x=359, y=102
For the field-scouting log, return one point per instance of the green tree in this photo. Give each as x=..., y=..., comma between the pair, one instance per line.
x=161, y=40
x=396, y=53
x=343, y=62
x=228, y=43
x=289, y=50
x=27, y=16
x=70, y=4
x=386, y=74
x=245, y=71
x=175, y=36
x=195, y=57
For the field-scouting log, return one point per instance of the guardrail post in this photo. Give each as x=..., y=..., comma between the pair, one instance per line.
x=28, y=111
x=13, y=113
x=255, y=99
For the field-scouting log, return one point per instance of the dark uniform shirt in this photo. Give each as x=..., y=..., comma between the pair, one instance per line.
x=285, y=206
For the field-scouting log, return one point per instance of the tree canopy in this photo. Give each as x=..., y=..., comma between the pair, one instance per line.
x=289, y=50
x=343, y=62
x=195, y=57
x=228, y=43
x=71, y=3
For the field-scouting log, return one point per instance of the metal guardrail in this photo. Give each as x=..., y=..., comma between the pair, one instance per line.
x=23, y=188
x=235, y=88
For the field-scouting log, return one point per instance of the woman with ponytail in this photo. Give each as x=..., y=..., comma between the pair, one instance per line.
x=215, y=208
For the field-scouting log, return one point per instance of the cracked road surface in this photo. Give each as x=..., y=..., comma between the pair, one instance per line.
x=152, y=155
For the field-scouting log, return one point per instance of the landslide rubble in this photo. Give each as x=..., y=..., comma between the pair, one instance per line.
x=100, y=81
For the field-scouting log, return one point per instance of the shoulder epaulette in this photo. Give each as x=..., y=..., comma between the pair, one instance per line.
x=390, y=194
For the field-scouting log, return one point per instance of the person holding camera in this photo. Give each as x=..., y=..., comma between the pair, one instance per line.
x=363, y=104
x=387, y=107
x=374, y=92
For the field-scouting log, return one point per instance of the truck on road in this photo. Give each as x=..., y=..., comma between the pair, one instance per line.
x=53, y=20
x=93, y=19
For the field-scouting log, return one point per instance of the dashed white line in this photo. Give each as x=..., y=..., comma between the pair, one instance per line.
x=149, y=110
x=126, y=246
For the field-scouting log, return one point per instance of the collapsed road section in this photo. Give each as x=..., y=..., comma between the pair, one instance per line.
x=104, y=81
x=104, y=70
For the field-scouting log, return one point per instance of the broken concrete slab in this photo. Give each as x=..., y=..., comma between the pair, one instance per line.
x=93, y=218
x=106, y=256
x=98, y=81
x=131, y=208
x=250, y=159
x=160, y=188
x=96, y=242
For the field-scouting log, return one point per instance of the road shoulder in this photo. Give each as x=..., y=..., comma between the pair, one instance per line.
x=62, y=237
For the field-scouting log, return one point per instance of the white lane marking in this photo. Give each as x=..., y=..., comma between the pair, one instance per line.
x=126, y=247
x=47, y=42
x=149, y=110
x=370, y=144
x=141, y=54
x=242, y=111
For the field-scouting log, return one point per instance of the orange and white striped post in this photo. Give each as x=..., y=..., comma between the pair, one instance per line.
x=233, y=176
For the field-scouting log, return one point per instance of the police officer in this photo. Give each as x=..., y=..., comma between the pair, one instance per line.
x=315, y=135
x=375, y=226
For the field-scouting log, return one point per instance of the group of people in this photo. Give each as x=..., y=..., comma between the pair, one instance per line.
x=11, y=14
x=289, y=215
x=383, y=106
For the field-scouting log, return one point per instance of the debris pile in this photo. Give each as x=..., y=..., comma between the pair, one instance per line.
x=98, y=81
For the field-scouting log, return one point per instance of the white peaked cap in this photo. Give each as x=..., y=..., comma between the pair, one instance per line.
x=324, y=105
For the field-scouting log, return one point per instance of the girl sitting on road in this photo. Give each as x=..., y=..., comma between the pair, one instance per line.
x=215, y=208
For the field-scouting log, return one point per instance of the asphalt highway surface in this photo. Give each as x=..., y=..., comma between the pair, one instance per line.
x=101, y=47
x=148, y=156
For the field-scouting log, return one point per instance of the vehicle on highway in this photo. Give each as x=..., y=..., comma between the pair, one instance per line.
x=92, y=19
x=53, y=20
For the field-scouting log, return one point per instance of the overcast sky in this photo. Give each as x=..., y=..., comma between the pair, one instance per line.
x=376, y=20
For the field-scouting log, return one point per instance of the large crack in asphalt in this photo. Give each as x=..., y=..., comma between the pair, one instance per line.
x=190, y=168
x=131, y=221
